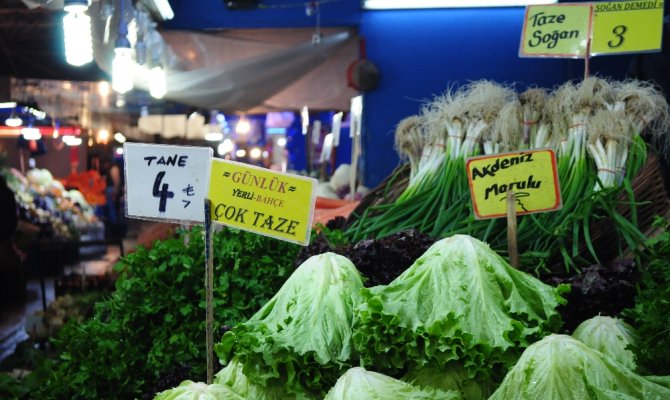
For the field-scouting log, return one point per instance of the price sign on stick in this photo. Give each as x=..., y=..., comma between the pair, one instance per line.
x=556, y=31
x=627, y=26
x=166, y=182
x=262, y=201
x=531, y=175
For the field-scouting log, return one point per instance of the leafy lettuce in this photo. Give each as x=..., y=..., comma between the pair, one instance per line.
x=233, y=377
x=302, y=338
x=450, y=378
x=458, y=301
x=560, y=367
x=189, y=390
x=357, y=383
x=610, y=336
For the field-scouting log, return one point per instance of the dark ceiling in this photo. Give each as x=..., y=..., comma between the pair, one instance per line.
x=31, y=45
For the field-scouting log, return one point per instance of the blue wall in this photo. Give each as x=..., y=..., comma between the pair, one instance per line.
x=421, y=52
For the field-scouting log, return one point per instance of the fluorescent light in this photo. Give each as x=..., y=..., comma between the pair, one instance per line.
x=8, y=104
x=72, y=140
x=401, y=4
x=118, y=136
x=276, y=131
x=77, y=33
x=157, y=83
x=31, y=133
x=122, y=69
x=13, y=120
x=213, y=136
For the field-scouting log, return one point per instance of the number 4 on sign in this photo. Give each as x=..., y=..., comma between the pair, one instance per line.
x=163, y=194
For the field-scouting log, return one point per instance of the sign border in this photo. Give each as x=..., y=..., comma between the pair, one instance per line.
x=312, y=204
x=558, y=201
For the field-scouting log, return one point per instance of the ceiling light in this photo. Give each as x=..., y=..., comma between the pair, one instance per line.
x=119, y=151
x=118, y=136
x=157, y=82
x=240, y=153
x=8, y=104
x=103, y=88
x=103, y=136
x=13, y=120
x=122, y=65
x=30, y=133
x=255, y=153
x=243, y=126
x=77, y=32
x=73, y=141
x=213, y=136
x=399, y=4
x=225, y=147
x=281, y=142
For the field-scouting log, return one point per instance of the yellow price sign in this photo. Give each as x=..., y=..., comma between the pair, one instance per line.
x=262, y=201
x=532, y=176
x=560, y=30
x=627, y=26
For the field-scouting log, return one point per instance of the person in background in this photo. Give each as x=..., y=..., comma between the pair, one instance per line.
x=12, y=285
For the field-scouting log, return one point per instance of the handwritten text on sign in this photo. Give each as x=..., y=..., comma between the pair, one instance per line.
x=166, y=182
x=262, y=201
x=531, y=175
x=556, y=30
x=627, y=26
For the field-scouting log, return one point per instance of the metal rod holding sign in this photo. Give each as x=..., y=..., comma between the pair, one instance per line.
x=512, y=246
x=209, y=292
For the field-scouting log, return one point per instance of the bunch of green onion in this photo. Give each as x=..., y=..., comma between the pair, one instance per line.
x=594, y=126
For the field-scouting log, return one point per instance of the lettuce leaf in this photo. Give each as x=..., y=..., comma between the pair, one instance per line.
x=233, y=377
x=560, y=367
x=357, y=383
x=610, y=336
x=450, y=378
x=189, y=390
x=458, y=301
x=302, y=338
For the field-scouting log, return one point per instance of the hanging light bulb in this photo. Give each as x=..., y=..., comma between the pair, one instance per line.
x=77, y=30
x=13, y=120
x=122, y=65
x=157, y=82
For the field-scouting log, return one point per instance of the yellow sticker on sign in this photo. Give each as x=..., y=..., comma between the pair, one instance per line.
x=627, y=26
x=560, y=30
x=262, y=201
x=532, y=176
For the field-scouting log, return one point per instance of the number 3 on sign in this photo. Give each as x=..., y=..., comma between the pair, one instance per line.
x=618, y=32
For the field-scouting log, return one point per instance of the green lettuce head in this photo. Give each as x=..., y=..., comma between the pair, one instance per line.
x=357, y=383
x=610, y=336
x=189, y=390
x=459, y=301
x=302, y=338
x=560, y=367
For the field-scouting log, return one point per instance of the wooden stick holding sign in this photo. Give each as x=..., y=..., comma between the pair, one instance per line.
x=209, y=292
x=511, y=230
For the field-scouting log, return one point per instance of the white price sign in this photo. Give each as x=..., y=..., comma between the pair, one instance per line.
x=167, y=182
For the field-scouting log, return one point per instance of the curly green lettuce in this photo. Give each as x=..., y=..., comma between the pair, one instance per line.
x=357, y=383
x=610, y=336
x=302, y=338
x=560, y=367
x=450, y=378
x=189, y=390
x=458, y=301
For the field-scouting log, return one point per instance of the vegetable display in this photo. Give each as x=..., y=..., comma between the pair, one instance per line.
x=593, y=126
x=451, y=378
x=459, y=301
x=302, y=337
x=357, y=383
x=560, y=367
